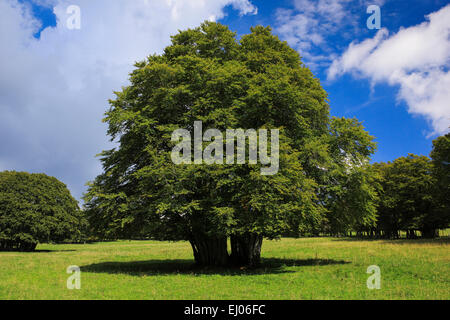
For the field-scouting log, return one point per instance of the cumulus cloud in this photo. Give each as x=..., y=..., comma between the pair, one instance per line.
x=417, y=59
x=309, y=23
x=54, y=90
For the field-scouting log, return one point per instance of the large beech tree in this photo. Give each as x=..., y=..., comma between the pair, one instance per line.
x=207, y=75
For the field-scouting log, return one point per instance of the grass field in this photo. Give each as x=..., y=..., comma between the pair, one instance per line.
x=310, y=268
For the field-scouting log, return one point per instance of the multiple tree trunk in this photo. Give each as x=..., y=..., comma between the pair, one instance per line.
x=391, y=233
x=245, y=250
x=210, y=251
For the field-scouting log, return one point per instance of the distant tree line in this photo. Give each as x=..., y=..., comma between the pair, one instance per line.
x=413, y=197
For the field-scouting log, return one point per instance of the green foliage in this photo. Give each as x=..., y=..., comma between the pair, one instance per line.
x=351, y=188
x=408, y=200
x=36, y=208
x=257, y=82
x=440, y=156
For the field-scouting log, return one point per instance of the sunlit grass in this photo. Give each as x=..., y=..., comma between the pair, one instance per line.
x=310, y=268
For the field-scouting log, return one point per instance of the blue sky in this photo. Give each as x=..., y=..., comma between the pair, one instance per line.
x=398, y=132
x=51, y=120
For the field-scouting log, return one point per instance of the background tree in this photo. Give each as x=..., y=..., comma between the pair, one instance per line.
x=36, y=208
x=207, y=75
x=440, y=217
x=407, y=198
x=351, y=183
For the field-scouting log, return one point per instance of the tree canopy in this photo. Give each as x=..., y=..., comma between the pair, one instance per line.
x=36, y=208
x=207, y=75
x=415, y=193
x=440, y=156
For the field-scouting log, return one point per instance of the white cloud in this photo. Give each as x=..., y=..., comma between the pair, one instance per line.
x=417, y=59
x=244, y=7
x=54, y=90
x=309, y=23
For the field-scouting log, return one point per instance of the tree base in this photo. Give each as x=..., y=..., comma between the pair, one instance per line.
x=210, y=251
x=246, y=250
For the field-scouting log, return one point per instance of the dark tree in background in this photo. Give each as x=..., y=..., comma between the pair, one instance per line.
x=407, y=194
x=257, y=82
x=440, y=156
x=36, y=208
x=415, y=193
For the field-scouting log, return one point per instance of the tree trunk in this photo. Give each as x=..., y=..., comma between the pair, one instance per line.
x=210, y=251
x=246, y=249
x=430, y=233
x=411, y=234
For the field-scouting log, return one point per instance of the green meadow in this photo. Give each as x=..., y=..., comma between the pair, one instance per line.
x=307, y=268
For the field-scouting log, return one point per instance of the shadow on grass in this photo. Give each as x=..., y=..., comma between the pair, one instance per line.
x=46, y=250
x=36, y=251
x=167, y=267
